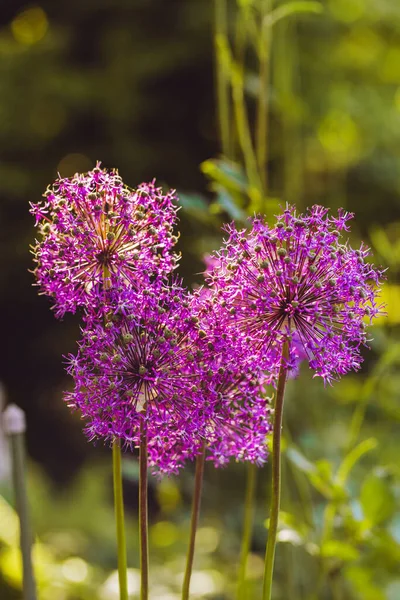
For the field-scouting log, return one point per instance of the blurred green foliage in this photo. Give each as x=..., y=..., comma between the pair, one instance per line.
x=307, y=110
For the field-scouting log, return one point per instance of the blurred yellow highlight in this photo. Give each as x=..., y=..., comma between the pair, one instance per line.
x=163, y=534
x=30, y=26
x=168, y=495
x=75, y=569
x=9, y=525
x=390, y=296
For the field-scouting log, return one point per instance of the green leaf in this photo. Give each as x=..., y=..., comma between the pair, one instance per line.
x=292, y=8
x=227, y=203
x=338, y=549
x=310, y=470
x=352, y=458
x=377, y=499
x=229, y=175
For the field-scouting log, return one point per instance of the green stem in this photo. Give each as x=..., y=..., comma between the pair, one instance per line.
x=276, y=476
x=119, y=518
x=243, y=130
x=143, y=517
x=19, y=479
x=247, y=528
x=262, y=107
x=222, y=77
x=198, y=484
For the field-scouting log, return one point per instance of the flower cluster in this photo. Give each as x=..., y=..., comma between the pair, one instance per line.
x=95, y=233
x=191, y=369
x=299, y=282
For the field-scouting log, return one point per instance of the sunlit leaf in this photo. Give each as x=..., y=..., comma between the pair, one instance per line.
x=292, y=8
x=228, y=174
x=377, y=499
x=338, y=549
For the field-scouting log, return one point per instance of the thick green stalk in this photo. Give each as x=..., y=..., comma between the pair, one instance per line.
x=247, y=529
x=276, y=475
x=198, y=484
x=143, y=517
x=119, y=518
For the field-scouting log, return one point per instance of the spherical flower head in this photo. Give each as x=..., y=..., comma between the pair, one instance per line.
x=140, y=368
x=95, y=233
x=300, y=282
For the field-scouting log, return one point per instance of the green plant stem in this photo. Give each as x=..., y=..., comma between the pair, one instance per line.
x=198, y=484
x=276, y=475
x=19, y=479
x=222, y=79
x=119, y=518
x=262, y=105
x=247, y=528
x=243, y=130
x=143, y=517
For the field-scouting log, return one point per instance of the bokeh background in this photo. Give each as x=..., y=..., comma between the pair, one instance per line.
x=188, y=92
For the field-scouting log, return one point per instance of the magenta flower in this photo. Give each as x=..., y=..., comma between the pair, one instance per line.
x=95, y=233
x=144, y=366
x=299, y=281
x=239, y=425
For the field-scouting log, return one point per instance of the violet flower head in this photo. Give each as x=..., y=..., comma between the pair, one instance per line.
x=141, y=368
x=232, y=376
x=299, y=282
x=95, y=233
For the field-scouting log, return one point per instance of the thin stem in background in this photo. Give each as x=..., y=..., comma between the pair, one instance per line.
x=143, y=517
x=14, y=427
x=262, y=105
x=119, y=518
x=244, y=135
x=247, y=528
x=198, y=484
x=276, y=475
x=222, y=79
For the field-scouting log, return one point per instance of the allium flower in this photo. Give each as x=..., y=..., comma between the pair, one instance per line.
x=95, y=233
x=240, y=422
x=143, y=367
x=298, y=281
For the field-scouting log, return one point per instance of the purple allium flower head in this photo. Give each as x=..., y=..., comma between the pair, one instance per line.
x=143, y=367
x=95, y=233
x=299, y=281
x=239, y=425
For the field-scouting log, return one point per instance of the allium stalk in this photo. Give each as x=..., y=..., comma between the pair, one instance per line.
x=198, y=485
x=143, y=518
x=276, y=475
x=247, y=529
x=120, y=522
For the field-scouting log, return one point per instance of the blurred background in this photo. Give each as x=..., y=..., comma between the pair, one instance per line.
x=241, y=105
